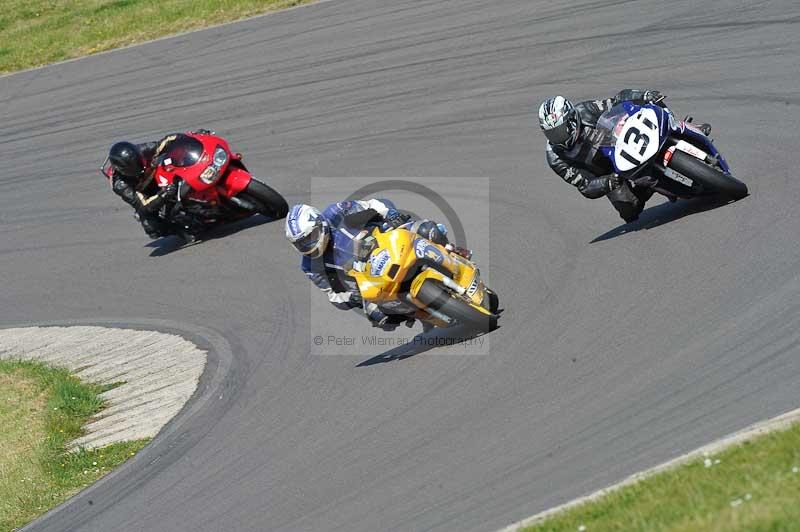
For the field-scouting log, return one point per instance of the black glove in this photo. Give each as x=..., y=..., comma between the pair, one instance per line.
x=385, y=324
x=170, y=191
x=390, y=322
x=599, y=186
x=152, y=226
x=614, y=181
x=653, y=95
x=155, y=203
x=396, y=218
x=645, y=181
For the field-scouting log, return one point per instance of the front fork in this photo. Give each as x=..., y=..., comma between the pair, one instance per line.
x=686, y=137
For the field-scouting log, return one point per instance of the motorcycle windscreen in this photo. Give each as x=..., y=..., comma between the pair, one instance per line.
x=107, y=170
x=183, y=151
x=610, y=124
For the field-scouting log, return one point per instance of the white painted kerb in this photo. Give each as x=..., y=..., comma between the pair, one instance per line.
x=160, y=372
x=782, y=422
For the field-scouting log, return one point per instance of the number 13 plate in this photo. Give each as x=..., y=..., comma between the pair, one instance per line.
x=638, y=140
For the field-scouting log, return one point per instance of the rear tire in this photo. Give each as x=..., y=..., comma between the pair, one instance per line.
x=440, y=299
x=270, y=202
x=717, y=181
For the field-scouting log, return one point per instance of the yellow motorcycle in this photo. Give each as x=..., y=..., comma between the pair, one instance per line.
x=407, y=275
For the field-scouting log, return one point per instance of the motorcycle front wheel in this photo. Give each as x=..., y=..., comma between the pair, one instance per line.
x=712, y=178
x=270, y=203
x=435, y=296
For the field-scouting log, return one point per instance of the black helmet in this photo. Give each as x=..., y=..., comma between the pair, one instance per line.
x=126, y=159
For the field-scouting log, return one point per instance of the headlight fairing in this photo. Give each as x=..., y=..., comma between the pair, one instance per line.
x=220, y=157
x=475, y=284
x=211, y=173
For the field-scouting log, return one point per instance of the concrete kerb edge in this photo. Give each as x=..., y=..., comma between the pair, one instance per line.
x=775, y=424
x=219, y=363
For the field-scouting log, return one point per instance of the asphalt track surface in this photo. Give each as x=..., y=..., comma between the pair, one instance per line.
x=618, y=349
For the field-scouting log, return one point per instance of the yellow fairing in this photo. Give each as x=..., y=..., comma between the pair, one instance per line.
x=398, y=254
x=375, y=283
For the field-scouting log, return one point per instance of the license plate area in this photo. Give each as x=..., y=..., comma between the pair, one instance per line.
x=680, y=178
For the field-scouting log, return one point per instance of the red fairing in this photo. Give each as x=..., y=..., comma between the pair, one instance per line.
x=213, y=184
x=235, y=181
x=191, y=158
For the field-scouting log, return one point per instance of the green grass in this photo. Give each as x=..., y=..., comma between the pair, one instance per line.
x=38, y=32
x=754, y=487
x=42, y=409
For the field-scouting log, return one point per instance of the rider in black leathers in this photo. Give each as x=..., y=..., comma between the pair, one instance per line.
x=131, y=173
x=578, y=161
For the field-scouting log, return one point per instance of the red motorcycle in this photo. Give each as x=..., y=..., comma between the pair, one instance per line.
x=214, y=186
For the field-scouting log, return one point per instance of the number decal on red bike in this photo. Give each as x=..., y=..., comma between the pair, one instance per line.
x=638, y=141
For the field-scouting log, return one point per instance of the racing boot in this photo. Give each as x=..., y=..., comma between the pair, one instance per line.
x=183, y=228
x=627, y=202
x=151, y=224
x=188, y=238
x=643, y=194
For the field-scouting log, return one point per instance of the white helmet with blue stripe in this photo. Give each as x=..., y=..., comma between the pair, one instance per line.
x=307, y=230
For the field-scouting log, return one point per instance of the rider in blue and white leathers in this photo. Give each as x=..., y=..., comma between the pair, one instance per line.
x=326, y=243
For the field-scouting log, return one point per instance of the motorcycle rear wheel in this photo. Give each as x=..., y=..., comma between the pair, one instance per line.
x=440, y=299
x=269, y=201
x=717, y=181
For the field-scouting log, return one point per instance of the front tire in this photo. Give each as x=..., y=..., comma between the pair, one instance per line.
x=714, y=179
x=491, y=302
x=432, y=294
x=270, y=202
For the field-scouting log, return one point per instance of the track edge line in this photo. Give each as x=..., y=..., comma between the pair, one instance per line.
x=760, y=428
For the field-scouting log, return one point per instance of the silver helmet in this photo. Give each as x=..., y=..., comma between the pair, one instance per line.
x=560, y=122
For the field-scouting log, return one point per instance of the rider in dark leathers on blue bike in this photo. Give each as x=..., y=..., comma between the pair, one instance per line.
x=572, y=149
x=326, y=241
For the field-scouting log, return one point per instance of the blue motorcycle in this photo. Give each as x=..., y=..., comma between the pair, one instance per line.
x=649, y=147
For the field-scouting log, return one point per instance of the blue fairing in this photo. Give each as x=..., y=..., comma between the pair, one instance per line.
x=663, y=123
x=664, y=127
x=612, y=117
x=710, y=148
x=667, y=126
